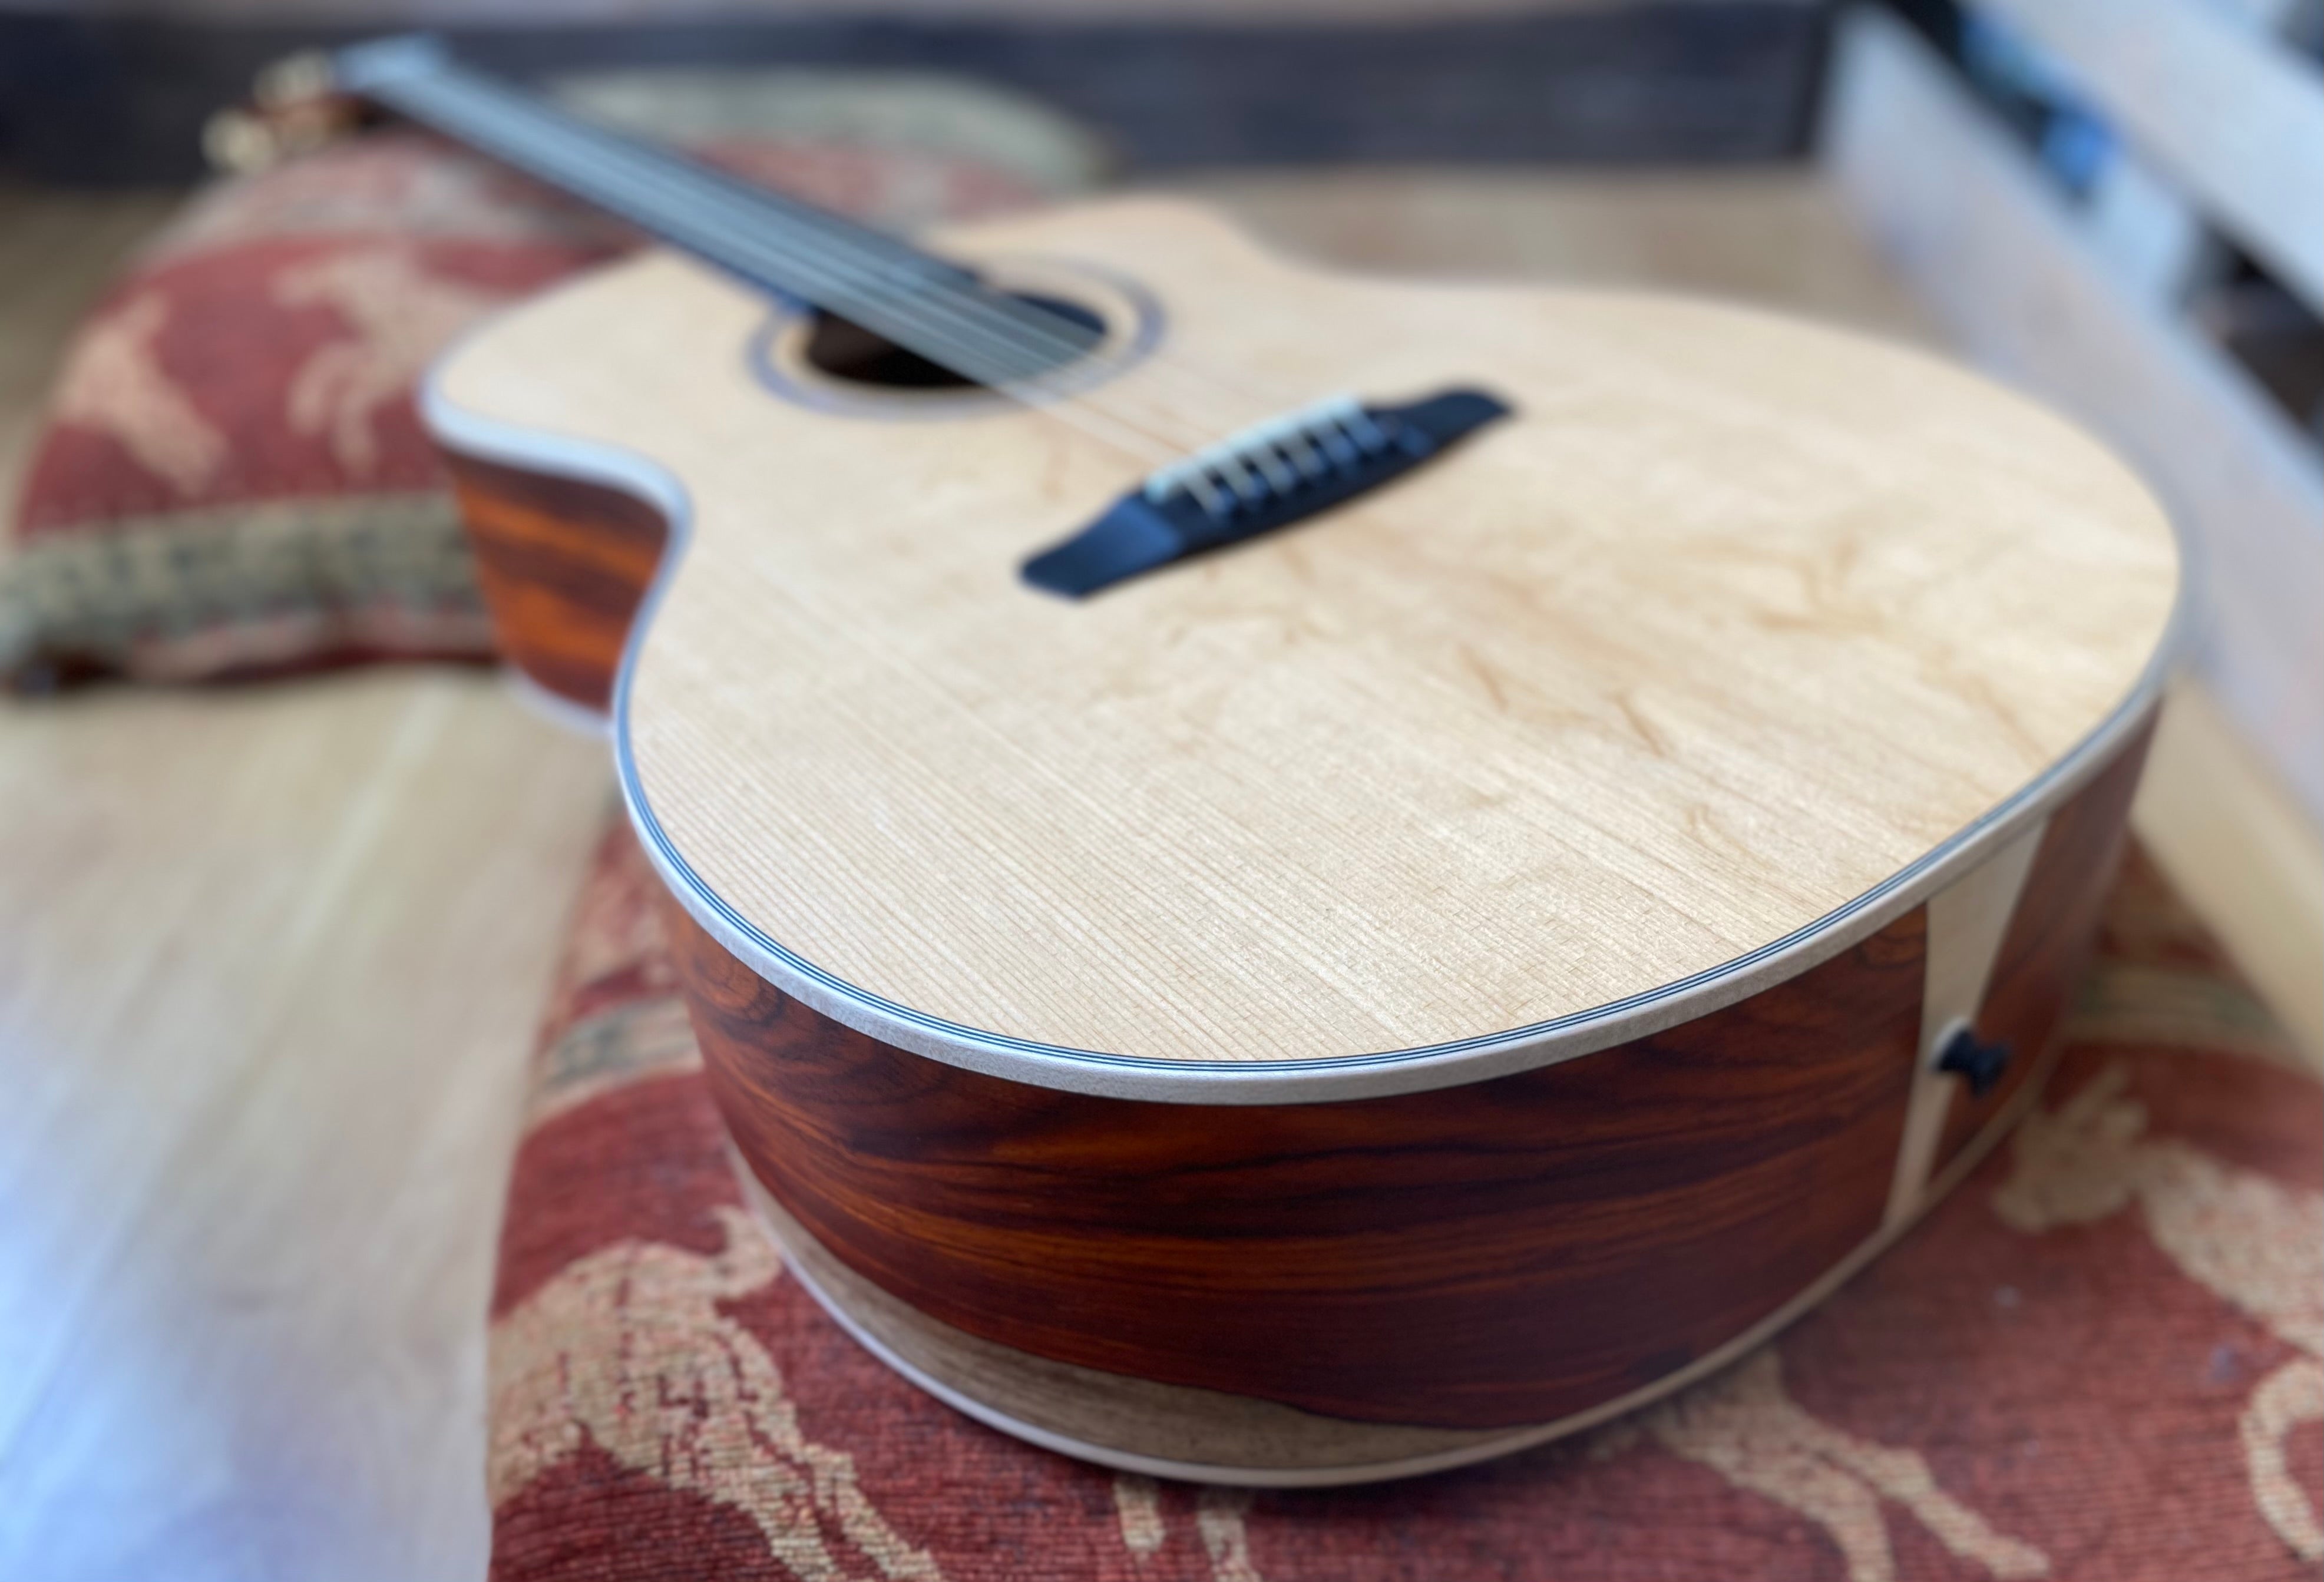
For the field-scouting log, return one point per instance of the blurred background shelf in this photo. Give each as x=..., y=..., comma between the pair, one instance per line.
x=118, y=93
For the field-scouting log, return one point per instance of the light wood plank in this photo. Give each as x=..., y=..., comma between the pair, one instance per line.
x=2243, y=854
x=268, y=969
x=1957, y=209
x=268, y=963
x=2144, y=224
x=2228, y=110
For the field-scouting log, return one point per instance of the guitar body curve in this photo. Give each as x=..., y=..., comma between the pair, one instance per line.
x=1297, y=1178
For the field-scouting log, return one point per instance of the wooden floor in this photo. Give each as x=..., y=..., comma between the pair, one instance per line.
x=269, y=964
x=269, y=960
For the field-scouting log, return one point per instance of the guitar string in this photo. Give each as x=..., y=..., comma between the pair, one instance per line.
x=955, y=332
x=946, y=327
x=749, y=202
x=621, y=191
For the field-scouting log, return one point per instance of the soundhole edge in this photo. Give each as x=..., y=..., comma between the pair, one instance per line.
x=847, y=352
x=825, y=362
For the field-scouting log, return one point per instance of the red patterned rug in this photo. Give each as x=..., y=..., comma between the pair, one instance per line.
x=232, y=480
x=2101, y=1360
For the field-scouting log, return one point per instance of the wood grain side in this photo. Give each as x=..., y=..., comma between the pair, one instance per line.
x=1507, y=1251
x=1502, y=1253
x=2050, y=935
x=562, y=566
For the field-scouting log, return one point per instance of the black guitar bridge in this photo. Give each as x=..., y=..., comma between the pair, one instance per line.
x=1266, y=477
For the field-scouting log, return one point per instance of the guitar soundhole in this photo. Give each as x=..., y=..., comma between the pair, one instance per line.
x=844, y=351
x=829, y=365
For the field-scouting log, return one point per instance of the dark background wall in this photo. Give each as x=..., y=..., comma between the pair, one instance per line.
x=105, y=96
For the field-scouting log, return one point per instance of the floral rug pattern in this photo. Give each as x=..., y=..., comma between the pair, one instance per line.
x=2101, y=1359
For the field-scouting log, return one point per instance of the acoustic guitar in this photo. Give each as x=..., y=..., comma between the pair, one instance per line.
x=1286, y=878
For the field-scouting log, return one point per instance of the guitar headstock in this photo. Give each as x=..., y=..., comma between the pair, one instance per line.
x=306, y=101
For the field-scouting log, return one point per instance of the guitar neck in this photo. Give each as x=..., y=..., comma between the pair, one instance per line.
x=781, y=244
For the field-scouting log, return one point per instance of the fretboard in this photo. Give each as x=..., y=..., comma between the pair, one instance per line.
x=781, y=244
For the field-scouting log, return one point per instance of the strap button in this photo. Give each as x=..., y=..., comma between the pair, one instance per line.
x=1976, y=1062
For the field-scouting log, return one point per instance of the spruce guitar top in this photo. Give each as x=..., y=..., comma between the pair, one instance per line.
x=1292, y=877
